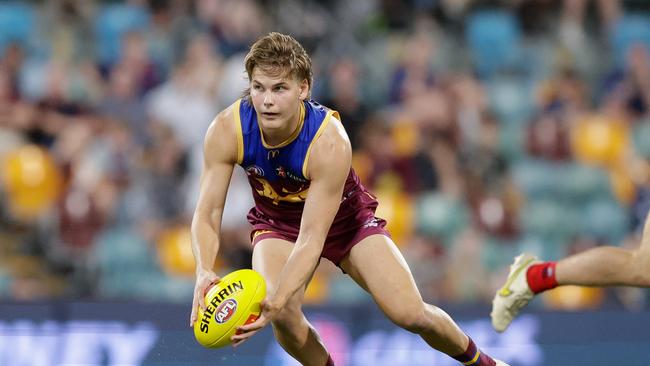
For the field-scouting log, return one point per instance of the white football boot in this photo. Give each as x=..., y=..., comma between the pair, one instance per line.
x=500, y=363
x=514, y=295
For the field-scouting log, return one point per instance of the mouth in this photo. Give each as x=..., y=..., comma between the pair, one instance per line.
x=269, y=114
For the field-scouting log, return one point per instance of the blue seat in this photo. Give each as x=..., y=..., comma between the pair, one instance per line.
x=493, y=37
x=112, y=23
x=16, y=24
x=627, y=31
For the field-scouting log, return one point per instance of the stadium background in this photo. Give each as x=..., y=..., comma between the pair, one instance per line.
x=485, y=127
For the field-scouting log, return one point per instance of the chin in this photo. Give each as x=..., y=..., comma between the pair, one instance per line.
x=273, y=124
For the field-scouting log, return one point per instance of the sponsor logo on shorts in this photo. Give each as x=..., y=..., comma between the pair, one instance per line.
x=225, y=311
x=372, y=223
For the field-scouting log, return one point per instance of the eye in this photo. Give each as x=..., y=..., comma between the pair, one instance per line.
x=280, y=88
x=257, y=87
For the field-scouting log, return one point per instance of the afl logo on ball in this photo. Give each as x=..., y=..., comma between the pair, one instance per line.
x=225, y=311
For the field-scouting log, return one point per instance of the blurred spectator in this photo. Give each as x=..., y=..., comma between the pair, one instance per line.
x=627, y=91
x=345, y=97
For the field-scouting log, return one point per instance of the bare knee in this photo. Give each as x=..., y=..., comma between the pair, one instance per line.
x=415, y=319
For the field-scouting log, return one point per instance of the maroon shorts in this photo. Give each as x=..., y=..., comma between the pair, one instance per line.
x=354, y=222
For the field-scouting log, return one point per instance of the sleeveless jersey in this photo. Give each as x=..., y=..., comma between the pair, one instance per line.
x=278, y=174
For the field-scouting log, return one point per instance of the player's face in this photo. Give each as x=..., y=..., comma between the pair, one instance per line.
x=276, y=99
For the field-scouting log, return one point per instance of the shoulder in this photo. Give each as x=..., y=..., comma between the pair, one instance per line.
x=334, y=132
x=332, y=147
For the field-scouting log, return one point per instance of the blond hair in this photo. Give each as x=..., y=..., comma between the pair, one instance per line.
x=279, y=55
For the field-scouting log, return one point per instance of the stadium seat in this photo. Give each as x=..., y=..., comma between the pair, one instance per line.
x=551, y=220
x=112, y=23
x=511, y=99
x=536, y=178
x=544, y=248
x=16, y=23
x=121, y=256
x=342, y=290
x=641, y=138
x=493, y=37
x=498, y=254
x=605, y=220
x=441, y=216
x=580, y=183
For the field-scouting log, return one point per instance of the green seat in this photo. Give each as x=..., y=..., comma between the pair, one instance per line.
x=536, y=178
x=127, y=265
x=441, y=216
x=641, y=138
x=551, y=220
x=344, y=291
x=580, y=183
x=605, y=220
x=511, y=142
x=497, y=254
x=510, y=98
x=545, y=249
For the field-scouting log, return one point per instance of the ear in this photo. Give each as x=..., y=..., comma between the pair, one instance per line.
x=304, y=89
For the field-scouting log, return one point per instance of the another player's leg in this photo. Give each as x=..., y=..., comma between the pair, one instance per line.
x=601, y=266
x=291, y=328
x=376, y=264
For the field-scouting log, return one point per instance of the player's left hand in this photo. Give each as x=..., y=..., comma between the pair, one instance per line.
x=269, y=312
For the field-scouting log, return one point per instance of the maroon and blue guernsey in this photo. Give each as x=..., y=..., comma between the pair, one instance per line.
x=280, y=183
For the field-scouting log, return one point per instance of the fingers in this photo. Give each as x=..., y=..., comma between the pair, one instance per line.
x=246, y=331
x=254, y=326
x=193, y=315
x=238, y=339
x=210, y=282
x=202, y=287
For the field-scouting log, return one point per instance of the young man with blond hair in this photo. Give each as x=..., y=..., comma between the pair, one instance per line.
x=309, y=204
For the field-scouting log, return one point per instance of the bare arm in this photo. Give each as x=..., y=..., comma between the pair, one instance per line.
x=328, y=168
x=220, y=156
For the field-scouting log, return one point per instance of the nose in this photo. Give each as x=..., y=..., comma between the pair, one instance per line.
x=268, y=99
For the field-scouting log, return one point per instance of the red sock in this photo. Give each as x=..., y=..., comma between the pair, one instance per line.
x=330, y=362
x=474, y=357
x=541, y=277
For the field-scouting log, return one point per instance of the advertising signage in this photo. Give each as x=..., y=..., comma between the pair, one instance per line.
x=155, y=334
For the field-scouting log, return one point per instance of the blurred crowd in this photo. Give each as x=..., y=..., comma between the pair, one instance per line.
x=484, y=127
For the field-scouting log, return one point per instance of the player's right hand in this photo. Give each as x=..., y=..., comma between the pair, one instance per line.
x=204, y=281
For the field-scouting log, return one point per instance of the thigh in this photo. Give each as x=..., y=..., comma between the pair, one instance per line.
x=269, y=258
x=377, y=265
